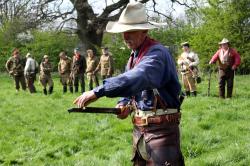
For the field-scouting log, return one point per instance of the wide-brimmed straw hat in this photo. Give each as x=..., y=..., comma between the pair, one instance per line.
x=223, y=41
x=132, y=18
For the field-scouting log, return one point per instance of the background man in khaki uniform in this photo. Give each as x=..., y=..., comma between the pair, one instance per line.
x=92, y=63
x=45, y=75
x=30, y=70
x=15, y=67
x=64, y=69
x=188, y=62
x=105, y=64
x=78, y=70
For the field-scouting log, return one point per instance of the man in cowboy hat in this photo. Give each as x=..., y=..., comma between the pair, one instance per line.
x=229, y=60
x=151, y=85
x=188, y=62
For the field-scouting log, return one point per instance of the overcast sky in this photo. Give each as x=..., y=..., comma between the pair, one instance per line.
x=163, y=6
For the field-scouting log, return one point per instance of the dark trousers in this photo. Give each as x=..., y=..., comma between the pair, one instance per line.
x=19, y=79
x=79, y=78
x=30, y=79
x=226, y=78
x=162, y=145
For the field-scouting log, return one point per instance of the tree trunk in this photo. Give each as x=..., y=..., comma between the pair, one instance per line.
x=90, y=33
x=91, y=26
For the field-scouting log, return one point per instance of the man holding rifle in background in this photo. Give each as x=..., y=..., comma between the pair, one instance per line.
x=150, y=84
x=229, y=60
x=188, y=62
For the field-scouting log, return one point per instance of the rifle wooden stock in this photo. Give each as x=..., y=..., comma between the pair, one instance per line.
x=115, y=111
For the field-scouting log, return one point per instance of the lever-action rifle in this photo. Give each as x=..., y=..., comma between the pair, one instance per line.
x=115, y=111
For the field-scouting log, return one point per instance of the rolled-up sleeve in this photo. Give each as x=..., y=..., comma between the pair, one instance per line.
x=236, y=57
x=215, y=57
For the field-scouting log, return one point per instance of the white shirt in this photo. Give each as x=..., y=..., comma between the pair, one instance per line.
x=188, y=59
x=30, y=66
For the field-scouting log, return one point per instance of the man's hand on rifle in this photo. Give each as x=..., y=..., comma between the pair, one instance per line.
x=125, y=111
x=211, y=62
x=190, y=59
x=85, y=99
x=234, y=67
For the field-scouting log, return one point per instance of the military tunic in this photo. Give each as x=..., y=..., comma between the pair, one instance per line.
x=45, y=74
x=64, y=69
x=106, y=66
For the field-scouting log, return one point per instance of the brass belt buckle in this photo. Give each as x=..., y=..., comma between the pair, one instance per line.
x=144, y=122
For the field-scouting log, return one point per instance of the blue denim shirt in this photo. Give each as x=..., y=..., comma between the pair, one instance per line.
x=157, y=70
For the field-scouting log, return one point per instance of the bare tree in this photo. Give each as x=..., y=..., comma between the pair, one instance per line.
x=90, y=26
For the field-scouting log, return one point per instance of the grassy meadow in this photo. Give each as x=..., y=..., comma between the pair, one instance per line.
x=37, y=130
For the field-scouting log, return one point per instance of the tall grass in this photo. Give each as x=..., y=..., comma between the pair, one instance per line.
x=37, y=130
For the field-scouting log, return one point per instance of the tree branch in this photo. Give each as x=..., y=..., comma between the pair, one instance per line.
x=181, y=3
x=109, y=9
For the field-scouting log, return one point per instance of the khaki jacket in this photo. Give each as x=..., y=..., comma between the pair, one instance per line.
x=15, y=66
x=64, y=66
x=91, y=65
x=106, y=65
x=45, y=69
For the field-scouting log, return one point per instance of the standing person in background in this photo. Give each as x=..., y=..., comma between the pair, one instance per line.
x=229, y=60
x=92, y=63
x=188, y=62
x=45, y=75
x=64, y=69
x=150, y=85
x=30, y=70
x=105, y=64
x=15, y=67
x=78, y=70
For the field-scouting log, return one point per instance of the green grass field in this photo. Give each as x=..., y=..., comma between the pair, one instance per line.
x=37, y=130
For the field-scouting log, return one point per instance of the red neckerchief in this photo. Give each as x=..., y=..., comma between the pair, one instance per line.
x=143, y=50
x=77, y=56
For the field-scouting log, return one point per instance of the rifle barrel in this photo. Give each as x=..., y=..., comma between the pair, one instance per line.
x=115, y=111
